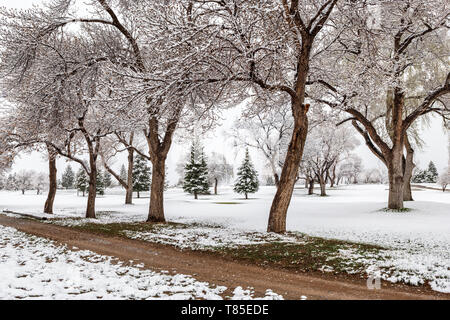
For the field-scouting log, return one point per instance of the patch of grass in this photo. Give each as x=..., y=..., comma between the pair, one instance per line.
x=228, y=202
x=118, y=229
x=402, y=210
x=311, y=254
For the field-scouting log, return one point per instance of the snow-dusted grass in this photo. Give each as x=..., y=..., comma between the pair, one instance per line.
x=416, y=242
x=36, y=268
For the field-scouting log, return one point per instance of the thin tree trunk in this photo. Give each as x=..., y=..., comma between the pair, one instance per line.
x=306, y=182
x=276, y=179
x=215, y=185
x=333, y=177
x=280, y=204
x=311, y=187
x=129, y=189
x=246, y=195
x=195, y=195
x=52, y=185
x=156, y=210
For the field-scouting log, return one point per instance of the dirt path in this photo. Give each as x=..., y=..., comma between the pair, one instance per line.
x=219, y=271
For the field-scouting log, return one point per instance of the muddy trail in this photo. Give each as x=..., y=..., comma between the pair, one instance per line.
x=220, y=271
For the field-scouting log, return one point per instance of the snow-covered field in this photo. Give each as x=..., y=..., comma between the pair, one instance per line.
x=36, y=268
x=417, y=242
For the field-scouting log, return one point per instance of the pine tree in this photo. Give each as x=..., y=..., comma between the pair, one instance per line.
x=432, y=174
x=247, y=177
x=11, y=182
x=123, y=173
x=68, y=178
x=141, y=175
x=100, y=183
x=419, y=177
x=107, y=179
x=196, y=173
x=82, y=181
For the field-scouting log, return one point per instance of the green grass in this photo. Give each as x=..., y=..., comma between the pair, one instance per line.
x=308, y=254
x=228, y=202
x=311, y=254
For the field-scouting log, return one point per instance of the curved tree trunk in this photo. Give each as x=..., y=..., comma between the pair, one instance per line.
x=52, y=186
x=280, y=204
x=333, y=177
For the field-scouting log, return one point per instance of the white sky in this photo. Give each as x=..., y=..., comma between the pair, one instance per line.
x=436, y=148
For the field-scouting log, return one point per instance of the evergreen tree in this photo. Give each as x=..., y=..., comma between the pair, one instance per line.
x=100, y=183
x=123, y=173
x=107, y=179
x=11, y=182
x=141, y=175
x=247, y=177
x=432, y=174
x=82, y=181
x=196, y=173
x=68, y=178
x=419, y=177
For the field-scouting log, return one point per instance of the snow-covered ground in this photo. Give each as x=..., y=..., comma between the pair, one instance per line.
x=36, y=268
x=417, y=242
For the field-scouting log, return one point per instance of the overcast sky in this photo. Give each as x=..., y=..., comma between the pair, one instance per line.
x=436, y=148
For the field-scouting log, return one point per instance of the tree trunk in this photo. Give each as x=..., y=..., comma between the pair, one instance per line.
x=280, y=204
x=23, y=191
x=156, y=210
x=311, y=187
x=138, y=195
x=322, y=182
x=129, y=189
x=395, y=171
x=306, y=182
x=92, y=192
x=276, y=179
x=246, y=195
x=195, y=195
x=52, y=185
x=408, y=170
x=215, y=185
x=333, y=177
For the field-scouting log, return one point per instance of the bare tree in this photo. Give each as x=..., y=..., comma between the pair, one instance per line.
x=219, y=169
x=393, y=71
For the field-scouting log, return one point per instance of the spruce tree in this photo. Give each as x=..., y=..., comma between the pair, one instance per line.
x=68, y=178
x=141, y=175
x=247, y=177
x=123, y=173
x=107, y=180
x=82, y=183
x=432, y=174
x=100, y=183
x=196, y=173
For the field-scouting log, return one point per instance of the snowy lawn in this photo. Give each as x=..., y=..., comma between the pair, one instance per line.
x=416, y=244
x=36, y=268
